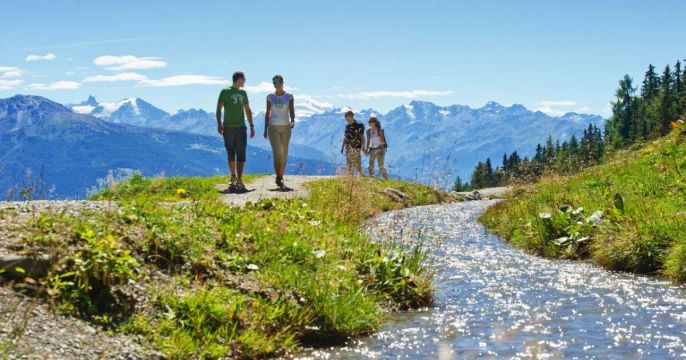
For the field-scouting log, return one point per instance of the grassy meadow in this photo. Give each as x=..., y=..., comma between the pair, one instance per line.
x=195, y=278
x=627, y=214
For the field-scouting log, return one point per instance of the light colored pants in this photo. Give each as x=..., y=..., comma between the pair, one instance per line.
x=377, y=155
x=279, y=137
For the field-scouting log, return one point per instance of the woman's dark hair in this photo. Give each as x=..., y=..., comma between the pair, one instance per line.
x=238, y=75
x=349, y=113
x=277, y=76
x=373, y=119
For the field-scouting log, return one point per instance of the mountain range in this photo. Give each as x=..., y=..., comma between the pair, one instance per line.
x=76, y=153
x=428, y=143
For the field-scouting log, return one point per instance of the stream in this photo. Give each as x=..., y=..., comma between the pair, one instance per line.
x=496, y=301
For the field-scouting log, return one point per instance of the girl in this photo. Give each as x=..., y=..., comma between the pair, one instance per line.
x=278, y=122
x=376, y=147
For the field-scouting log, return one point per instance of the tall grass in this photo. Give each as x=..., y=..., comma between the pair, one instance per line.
x=639, y=197
x=238, y=282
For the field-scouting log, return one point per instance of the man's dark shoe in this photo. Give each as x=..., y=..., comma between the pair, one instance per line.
x=240, y=187
x=280, y=183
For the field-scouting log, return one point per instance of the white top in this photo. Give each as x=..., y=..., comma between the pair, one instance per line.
x=374, y=138
x=279, y=104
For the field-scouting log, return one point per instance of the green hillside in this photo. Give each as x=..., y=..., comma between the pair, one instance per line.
x=628, y=213
x=196, y=278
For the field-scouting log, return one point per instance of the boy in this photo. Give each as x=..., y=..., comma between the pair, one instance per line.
x=352, y=143
x=234, y=102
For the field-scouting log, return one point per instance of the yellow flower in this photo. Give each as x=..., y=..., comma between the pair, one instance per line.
x=181, y=192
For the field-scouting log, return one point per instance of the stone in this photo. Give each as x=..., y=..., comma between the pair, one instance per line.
x=396, y=195
x=472, y=196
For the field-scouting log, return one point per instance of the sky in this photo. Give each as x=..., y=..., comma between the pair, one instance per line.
x=553, y=56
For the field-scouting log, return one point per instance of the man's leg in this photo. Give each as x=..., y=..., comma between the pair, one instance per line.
x=230, y=145
x=241, y=145
x=349, y=160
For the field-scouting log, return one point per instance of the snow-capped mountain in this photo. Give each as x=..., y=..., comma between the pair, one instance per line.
x=434, y=144
x=78, y=151
x=136, y=111
x=428, y=143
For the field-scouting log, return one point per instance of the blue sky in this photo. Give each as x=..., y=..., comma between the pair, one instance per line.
x=556, y=56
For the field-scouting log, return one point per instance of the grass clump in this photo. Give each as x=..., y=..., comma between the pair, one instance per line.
x=139, y=188
x=219, y=281
x=627, y=214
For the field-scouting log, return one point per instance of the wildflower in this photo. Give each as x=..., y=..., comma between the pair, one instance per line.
x=319, y=253
x=314, y=222
x=252, y=267
x=595, y=218
x=578, y=211
x=181, y=192
x=544, y=215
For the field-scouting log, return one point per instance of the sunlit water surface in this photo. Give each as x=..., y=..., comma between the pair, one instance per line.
x=495, y=301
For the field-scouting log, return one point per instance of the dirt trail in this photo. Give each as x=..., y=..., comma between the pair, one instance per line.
x=265, y=188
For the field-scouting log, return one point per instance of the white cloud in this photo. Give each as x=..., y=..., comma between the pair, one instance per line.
x=307, y=105
x=558, y=103
x=46, y=57
x=583, y=110
x=128, y=76
x=57, y=85
x=182, y=80
x=265, y=87
x=128, y=62
x=558, y=107
x=10, y=72
x=411, y=94
x=9, y=84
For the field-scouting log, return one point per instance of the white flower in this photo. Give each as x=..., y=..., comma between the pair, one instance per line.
x=252, y=267
x=544, y=215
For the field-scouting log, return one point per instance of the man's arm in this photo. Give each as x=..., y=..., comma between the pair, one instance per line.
x=220, y=127
x=248, y=114
x=366, y=148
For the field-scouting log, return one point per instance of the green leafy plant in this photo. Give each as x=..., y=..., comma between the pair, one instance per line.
x=85, y=280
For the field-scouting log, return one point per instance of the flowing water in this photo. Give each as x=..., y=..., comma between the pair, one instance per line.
x=495, y=301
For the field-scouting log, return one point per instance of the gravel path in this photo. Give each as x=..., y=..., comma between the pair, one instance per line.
x=30, y=329
x=265, y=188
x=491, y=193
x=15, y=215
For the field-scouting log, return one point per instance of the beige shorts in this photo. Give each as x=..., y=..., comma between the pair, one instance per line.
x=279, y=137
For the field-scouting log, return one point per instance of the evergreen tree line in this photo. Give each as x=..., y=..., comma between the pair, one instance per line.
x=635, y=118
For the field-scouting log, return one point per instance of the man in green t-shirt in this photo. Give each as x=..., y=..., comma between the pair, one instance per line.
x=234, y=102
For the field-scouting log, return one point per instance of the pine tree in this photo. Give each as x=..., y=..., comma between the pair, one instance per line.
x=623, y=114
x=651, y=84
x=665, y=105
x=458, y=185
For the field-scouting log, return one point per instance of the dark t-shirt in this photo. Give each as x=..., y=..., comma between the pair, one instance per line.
x=353, y=135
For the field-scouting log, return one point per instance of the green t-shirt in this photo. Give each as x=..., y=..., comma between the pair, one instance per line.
x=234, y=100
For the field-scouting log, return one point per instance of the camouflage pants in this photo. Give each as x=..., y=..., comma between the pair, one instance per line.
x=353, y=157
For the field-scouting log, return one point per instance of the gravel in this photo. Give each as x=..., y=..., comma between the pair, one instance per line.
x=30, y=328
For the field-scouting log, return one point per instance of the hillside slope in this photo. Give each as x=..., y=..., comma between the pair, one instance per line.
x=627, y=214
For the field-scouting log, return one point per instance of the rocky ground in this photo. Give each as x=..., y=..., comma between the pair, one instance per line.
x=30, y=328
